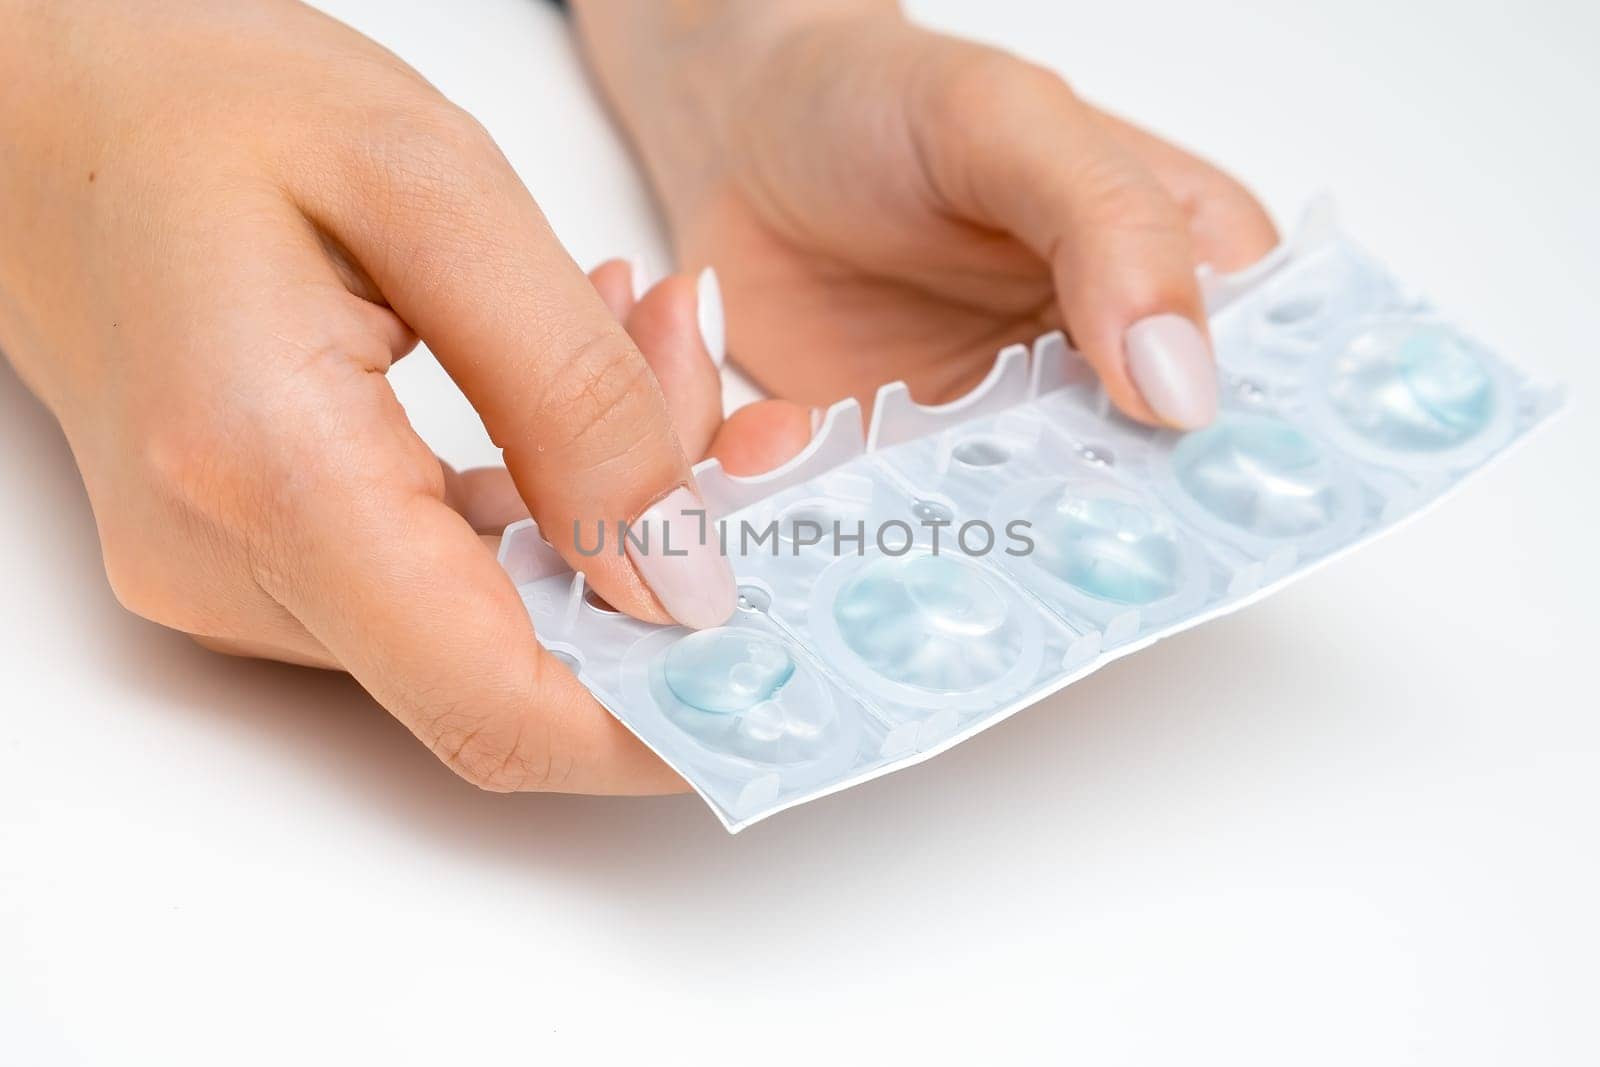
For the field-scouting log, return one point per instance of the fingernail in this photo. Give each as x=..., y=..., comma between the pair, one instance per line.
x=675, y=548
x=637, y=278
x=817, y=415
x=1170, y=363
x=712, y=329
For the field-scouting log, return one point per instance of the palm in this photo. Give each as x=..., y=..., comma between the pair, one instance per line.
x=814, y=318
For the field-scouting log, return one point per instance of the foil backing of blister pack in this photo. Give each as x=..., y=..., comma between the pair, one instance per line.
x=1347, y=406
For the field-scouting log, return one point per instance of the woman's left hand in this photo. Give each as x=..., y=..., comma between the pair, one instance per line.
x=883, y=202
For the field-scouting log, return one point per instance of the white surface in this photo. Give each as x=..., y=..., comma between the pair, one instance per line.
x=1354, y=824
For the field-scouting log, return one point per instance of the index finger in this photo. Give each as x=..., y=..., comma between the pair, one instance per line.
x=463, y=254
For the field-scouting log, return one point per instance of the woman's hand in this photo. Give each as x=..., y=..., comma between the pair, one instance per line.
x=222, y=223
x=884, y=202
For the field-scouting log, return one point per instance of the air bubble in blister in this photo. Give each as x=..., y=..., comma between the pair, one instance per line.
x=1260, y=474
x=814, y=520
x=1249, y=391
x=1410, y=386
x=1112, y=549
x=1292, y=311
x=981, y=452
x=754, y=599
x=937, y=622
x=1096, y=455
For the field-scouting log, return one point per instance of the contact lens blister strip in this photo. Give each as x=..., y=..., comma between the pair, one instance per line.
x=905, y=586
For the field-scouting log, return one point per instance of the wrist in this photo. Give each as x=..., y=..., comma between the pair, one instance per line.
x=674, y=74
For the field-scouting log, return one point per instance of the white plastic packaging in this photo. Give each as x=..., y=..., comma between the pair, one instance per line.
x=1347, y=406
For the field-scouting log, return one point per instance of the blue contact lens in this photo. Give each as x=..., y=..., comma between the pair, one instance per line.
x=1412, y=387
x=935, y=622
x=727, y=671
x=1111, y=549
x=1260, y=474
x=740, y=693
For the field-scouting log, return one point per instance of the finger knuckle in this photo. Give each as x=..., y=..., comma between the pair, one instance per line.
x=132, y=583
x=1226, y=194
x=590, y=400
x=180, y=582
x=421, y=148
x=198, y=494
x=430, y=171
x=1132, y=204
x=210, y=461
x=168, y=509
x=1033, y=81
x=304, y=422
x=981, y=83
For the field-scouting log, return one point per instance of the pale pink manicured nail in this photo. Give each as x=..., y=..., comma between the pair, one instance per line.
x=1170, y=362
x=681, y=560
x=712, y=329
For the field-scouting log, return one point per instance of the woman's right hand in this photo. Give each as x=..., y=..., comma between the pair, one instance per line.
x=223, y=223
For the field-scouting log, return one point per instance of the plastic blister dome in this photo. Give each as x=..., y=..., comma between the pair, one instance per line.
x=1414, y=394
x=727, y=671
x=1263, y=476
x=1409, y=386
x=1109, y=548
x=1105, y=552
x=981, y=452
x=1285, y=324
x=934, y=622
x=809, y=520
x=741, y=696
x=733, y=692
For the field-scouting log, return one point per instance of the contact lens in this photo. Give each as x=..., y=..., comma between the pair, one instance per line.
x=1260, y=474
x=1412, y=387
x=937, y=622
x=1112, y=549
x=727, y=671
x=739, y=693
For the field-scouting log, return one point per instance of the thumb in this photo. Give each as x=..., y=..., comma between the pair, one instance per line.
x=464, y=255
x=1010, y=146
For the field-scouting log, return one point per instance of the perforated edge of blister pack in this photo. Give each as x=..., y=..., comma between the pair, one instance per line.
x=1047, y=384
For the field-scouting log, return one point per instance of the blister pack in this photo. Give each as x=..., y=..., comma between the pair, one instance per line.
x=903, y=587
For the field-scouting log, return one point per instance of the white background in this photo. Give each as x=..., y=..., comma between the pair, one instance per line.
x=1356, y=824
